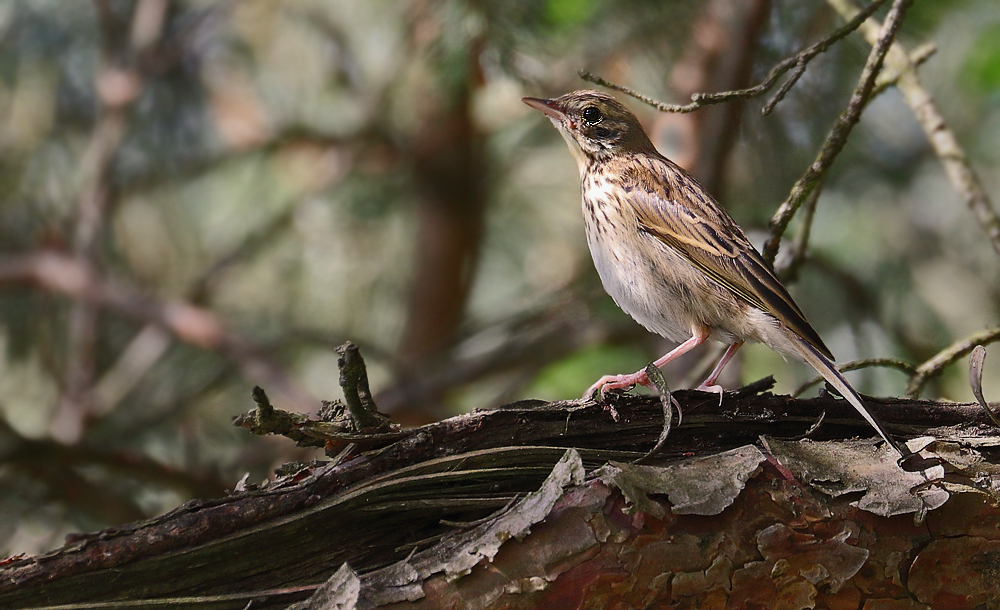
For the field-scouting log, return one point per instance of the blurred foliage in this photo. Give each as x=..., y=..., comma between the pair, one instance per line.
x=982, y=70
x=268, y=172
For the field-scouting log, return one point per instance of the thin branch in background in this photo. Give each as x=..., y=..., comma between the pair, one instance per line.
x=142, y=352
x=854, y=365
x=151, y=342
x=838, y=135
x=862, y=300
x=788, y=267
x=50, y=456
x=148, y=55
x=943, y=139
x=69, y=276
x=118, y=84
x=719, y=55
x=797, y=63
x=949, y=355
x=890, y=72
x=199, y=290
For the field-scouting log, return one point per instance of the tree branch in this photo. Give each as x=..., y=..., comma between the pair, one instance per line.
x=940, y=361
x=855, y=365
x=380, y=506
x=837, y=137
x=942, y=138
x=788, y=267
x=798, y=61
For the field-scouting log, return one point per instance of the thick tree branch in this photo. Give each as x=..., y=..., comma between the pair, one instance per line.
x=398, y=500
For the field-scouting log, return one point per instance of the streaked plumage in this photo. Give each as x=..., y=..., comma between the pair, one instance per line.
x=670, y=255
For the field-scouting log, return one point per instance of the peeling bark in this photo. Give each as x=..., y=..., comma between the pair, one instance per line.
x=493, y=510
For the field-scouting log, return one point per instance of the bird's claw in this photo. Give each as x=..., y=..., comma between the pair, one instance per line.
x=597, y=391
x=714, y=389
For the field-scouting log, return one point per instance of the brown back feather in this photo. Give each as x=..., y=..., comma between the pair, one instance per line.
x=674, y=208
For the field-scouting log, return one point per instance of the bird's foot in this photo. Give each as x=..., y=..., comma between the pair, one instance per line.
x=616, y=382
x=714, y=389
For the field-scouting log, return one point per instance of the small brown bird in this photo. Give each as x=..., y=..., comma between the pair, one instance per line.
x=671, y=256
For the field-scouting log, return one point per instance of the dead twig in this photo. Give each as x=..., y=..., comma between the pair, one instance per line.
x=788, y=268
x=354, y=381
x=940, y=361
x=854, y=365
x=337, y=426
x=942, y=138
x=838, y=135
x=797, y=63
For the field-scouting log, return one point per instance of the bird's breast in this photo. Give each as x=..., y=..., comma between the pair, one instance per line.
x=643, y=278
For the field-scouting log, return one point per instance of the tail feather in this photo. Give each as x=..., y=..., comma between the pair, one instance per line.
x=828, y=370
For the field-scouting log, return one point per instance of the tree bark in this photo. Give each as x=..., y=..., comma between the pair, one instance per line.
x=492, y=510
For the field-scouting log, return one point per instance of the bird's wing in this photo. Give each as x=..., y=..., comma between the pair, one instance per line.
x=685, y=218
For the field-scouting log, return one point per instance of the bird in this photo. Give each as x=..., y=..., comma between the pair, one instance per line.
x=671, y=256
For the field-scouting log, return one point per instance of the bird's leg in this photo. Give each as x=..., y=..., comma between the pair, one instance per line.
x=613, y=382
x=709, y=384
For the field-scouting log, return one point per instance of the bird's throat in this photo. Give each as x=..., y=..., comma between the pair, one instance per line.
x=574, y=147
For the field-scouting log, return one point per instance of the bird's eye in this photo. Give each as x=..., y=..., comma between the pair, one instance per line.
x=592, y=115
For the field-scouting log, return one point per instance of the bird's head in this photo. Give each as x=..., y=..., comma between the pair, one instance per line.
x=595, y=125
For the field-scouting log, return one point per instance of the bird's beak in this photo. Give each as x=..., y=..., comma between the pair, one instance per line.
x=546, y=106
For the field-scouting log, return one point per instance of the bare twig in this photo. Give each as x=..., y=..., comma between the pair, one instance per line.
x=719, y=55
x=838, y=135
x=890, y=74
x=945, y=144
x=354, y=381
x=933, y=367
x=854, y=365
x=265, y=419
x=140, y=355
x=798, y=62
x=788, y=269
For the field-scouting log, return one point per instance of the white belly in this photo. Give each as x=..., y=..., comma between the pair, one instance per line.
x=638, y=284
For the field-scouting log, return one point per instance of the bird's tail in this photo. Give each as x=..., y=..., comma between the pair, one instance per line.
x=829, y=371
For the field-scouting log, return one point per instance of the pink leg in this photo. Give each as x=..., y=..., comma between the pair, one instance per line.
x=614, y=382
x=709, y=384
